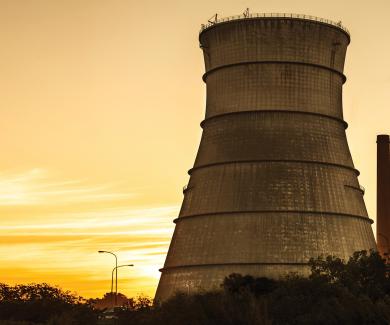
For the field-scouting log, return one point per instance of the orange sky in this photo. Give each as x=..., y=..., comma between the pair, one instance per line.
x=100, y=107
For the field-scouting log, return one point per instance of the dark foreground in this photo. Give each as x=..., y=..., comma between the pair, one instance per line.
x=337, y=292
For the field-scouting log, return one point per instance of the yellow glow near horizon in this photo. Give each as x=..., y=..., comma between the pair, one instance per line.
x=60, y=243
x=100, y=108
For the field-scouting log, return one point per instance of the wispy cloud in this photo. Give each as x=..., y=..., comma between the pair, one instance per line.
x=103, y=218
x=34, y=187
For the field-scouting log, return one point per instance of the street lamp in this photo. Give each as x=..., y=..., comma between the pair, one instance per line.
x=112, y=276
x=116, y=274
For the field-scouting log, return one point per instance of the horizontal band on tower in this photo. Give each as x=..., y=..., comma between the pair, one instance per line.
x=190, y=216
x=273, y=161
x=231, y=264
x=320, y=66
x=202, y=124
x=359, y=189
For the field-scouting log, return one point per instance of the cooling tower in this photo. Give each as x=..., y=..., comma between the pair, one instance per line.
x=273, y=182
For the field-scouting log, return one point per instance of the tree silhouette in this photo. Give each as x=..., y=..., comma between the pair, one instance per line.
x=42, y=303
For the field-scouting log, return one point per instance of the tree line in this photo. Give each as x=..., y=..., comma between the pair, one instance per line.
x=356, y=291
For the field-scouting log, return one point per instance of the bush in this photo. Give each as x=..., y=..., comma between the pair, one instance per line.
x=44, y=304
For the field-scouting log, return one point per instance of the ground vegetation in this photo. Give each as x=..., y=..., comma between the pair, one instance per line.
x=356, y=291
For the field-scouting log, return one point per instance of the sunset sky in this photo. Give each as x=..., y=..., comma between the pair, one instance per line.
x=100, y=105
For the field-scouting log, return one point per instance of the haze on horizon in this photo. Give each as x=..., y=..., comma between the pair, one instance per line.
x=100, y=110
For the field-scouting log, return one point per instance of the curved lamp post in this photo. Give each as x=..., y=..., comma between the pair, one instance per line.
x=116, y=274
x=112, y=277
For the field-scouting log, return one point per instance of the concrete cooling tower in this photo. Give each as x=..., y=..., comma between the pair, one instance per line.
x=273, y=182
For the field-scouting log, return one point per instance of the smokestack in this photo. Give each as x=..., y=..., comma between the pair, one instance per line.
x=383, y=193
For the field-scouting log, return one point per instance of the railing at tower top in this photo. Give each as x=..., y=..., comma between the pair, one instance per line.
x=248, y=15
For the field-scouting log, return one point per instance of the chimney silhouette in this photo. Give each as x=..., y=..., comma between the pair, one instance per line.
x=273, y=182
x=383, y=194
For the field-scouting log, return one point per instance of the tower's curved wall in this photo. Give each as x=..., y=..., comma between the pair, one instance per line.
x=273, y=182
